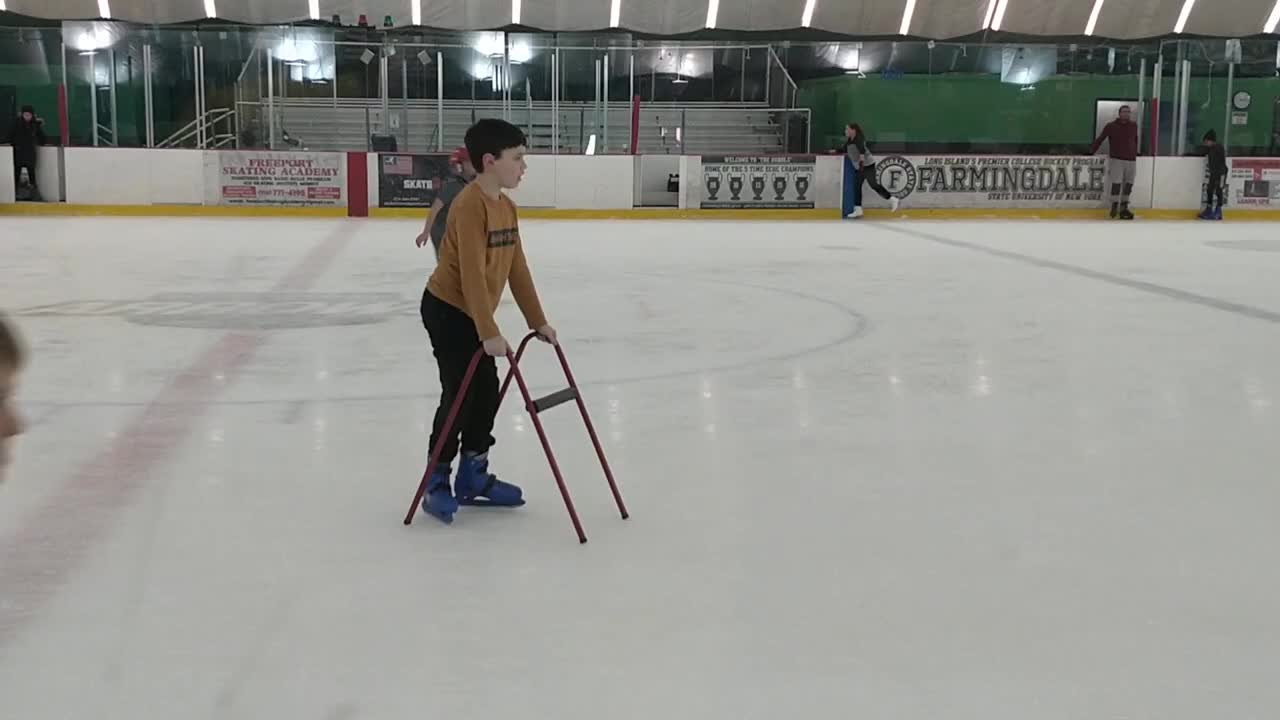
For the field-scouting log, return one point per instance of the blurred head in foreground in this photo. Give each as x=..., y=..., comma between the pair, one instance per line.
x=11, y=359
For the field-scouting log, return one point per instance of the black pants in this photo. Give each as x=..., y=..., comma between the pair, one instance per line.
x=454, y=342
x=18, y=165
x=868, y=175
x=1215, y=189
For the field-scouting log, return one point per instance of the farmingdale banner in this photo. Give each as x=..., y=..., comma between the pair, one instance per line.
x=994, y=181
x=237, y=177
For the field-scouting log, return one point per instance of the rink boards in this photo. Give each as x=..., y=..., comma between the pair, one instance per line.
x=140, y=182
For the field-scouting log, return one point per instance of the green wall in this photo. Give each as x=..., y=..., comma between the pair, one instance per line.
x=981, y=109
x=34, y=88
x=38, y=86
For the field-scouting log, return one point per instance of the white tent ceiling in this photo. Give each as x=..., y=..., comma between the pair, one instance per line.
x=939, y=19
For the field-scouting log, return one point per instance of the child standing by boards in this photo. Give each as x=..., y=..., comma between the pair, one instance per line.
x=1217, y=156
x=480, y=254
x=11, y=358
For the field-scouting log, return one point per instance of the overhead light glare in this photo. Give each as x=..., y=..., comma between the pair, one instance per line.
x=991, y=13
x=807, y=18
x=998, y=20
x=1274, y=20
x=1093, y=17
x=1184, y=15
x=906, y=18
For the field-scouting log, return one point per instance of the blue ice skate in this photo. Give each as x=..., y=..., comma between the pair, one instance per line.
x=475, y=485
x=1217, y=213
x=1206, y=214
x=439, y=502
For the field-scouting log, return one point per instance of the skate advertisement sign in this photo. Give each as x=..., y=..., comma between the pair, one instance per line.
x=411, y=181
x=289, y=179
x=738, y=182
x=1254, y=183
x=1003, y=181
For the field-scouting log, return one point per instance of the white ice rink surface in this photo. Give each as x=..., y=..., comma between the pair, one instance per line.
x=896, y=471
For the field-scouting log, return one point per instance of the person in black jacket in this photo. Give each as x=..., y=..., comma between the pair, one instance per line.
x=26, y=136
x=1217, y=156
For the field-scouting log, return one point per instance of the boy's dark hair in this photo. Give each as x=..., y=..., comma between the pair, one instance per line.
x=1211, y=136
x=11, y=353
x=491, y=136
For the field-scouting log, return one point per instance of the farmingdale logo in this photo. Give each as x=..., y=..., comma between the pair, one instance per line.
x=996, y=178
x=281, y=167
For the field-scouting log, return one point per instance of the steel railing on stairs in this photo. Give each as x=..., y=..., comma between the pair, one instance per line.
x=106, y=136
x=210, y=131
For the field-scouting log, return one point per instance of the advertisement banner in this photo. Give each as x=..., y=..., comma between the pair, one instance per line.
x=1254, y=183
x=757, y=181
x=1003, y=181
x=248, y=177
x=411, y=181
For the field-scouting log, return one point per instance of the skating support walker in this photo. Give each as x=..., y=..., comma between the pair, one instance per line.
x=535, y=407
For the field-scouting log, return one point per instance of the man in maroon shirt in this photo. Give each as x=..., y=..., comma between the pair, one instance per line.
x=1122, y=167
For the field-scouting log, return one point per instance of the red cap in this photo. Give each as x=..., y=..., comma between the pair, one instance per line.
x=459, y=156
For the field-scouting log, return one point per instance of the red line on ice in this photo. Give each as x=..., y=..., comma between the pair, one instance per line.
x=42, y=556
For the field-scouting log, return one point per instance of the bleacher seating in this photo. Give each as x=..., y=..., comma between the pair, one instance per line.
x=708, y=129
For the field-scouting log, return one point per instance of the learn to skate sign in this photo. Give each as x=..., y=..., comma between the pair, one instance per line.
x=267, y=178
x=740, y=182
x=1254, y=182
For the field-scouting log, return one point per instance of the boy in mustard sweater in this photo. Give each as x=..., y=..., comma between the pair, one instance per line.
x=480, y=254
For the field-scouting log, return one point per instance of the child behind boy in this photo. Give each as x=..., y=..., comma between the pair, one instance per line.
x=481, y=253
x=11, y=358
x=438, y=214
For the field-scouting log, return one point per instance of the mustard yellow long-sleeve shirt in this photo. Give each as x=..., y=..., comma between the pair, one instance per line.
x=480, y=255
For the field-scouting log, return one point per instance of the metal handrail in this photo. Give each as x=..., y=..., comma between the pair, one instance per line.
x=430, y=103
x=192, y=128
x=180, y=131
x=253, y=55
x=786, y=75
x=104, y=130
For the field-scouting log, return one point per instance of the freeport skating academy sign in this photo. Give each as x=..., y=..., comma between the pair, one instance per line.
x=236, y=177
x=995, y=181
x=757, y=181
